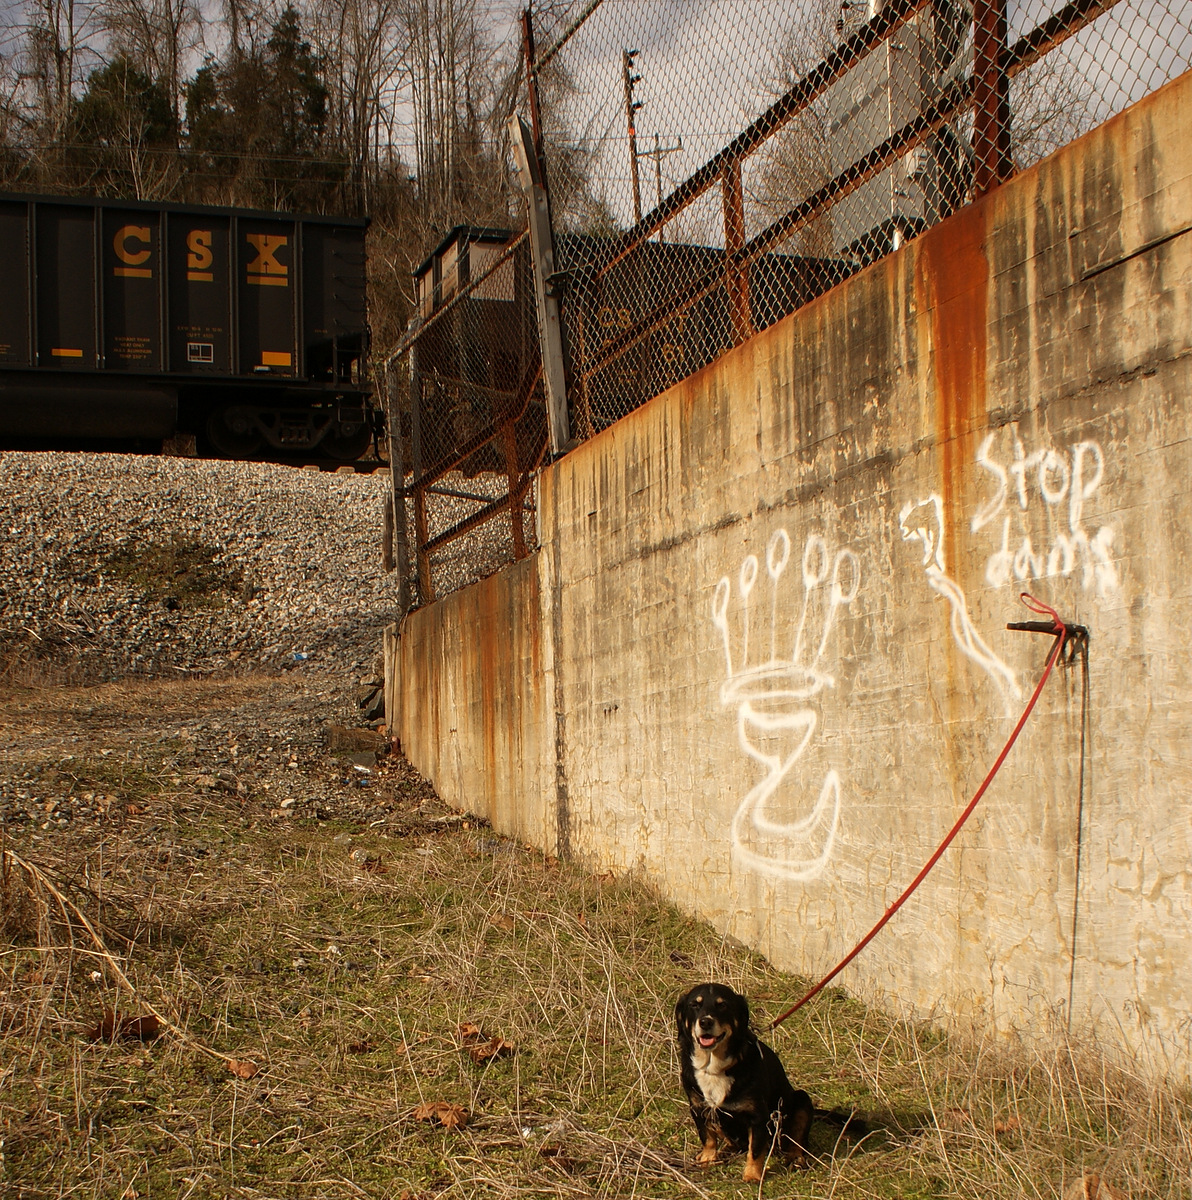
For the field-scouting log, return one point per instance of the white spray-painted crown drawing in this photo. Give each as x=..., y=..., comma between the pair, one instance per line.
x=772, y=689
x=799, y=676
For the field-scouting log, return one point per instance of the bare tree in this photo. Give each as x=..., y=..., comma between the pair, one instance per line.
x=54, y=39
x=449, y=60
x=358, y=43
x=156, y=36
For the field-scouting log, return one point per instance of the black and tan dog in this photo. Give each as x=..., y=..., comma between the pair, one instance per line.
x=735, y=1083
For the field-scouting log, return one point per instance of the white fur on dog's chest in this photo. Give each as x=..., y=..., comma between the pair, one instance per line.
x=711, y=1078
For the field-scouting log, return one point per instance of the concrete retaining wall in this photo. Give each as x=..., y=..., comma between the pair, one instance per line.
x=762, y=655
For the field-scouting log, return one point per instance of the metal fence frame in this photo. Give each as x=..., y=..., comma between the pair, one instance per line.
x=520, y=455
x=985, y=92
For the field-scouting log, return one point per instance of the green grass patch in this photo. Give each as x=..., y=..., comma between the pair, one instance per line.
x=181, y=573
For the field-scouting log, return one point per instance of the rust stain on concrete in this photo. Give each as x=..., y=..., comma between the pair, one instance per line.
x=951, y=292
x=489, y=622
x=473, y=695
x=952, y=289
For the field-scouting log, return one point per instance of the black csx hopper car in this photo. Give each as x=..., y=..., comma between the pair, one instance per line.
x=123, y=321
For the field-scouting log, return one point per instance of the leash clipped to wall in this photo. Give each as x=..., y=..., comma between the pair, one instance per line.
x=1075, y=637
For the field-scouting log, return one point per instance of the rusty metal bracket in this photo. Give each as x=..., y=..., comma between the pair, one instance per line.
x=1076, y=637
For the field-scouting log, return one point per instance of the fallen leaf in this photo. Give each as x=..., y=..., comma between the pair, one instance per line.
x=450, y=1116
x=491, y=1049
x=682, y=960
x=129, y=1193
x=145, y=1029
x=376, y=866
x=105, y=1031
x=557, y=1156
x=111, y=1026
x=360, y=1047
x=952, y=1117
x=469, y=1032
x=582, y=919
x=503, y=921
x=133, y=810
x=242, y=1069
x=1007, y=1126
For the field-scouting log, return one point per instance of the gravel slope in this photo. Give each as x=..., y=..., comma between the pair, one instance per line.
x=114, y=565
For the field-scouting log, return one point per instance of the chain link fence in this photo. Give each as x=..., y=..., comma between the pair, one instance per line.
x=466, y=412
x=715, y=165
x=712, y=165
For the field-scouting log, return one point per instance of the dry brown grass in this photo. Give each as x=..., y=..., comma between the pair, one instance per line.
x=342, y=961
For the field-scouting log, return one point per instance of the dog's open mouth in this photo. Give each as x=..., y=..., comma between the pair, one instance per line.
x=708, y=1040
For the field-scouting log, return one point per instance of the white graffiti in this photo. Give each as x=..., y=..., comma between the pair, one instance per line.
x=1064, y=482
x=924, y=522
x=773, y=687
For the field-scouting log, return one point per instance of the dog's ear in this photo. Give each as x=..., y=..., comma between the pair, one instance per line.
x=680, y=1008
x=740, y=1012
x=744, y=1011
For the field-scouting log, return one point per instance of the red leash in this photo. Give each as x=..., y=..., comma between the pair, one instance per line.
x=1061, y=632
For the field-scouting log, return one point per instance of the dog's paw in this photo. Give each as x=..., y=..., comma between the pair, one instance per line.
x=706, y=1157
x=754, y=1170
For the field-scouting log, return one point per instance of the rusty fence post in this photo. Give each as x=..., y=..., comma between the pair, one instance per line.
x=508, y=436
x=421, y=534
x=550, y=324
x=532, y=86
x=583, y=398
x=736, y=275
x=991, y=97
x=397, y=474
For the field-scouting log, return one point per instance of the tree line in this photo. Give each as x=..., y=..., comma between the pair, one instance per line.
x=290, y=106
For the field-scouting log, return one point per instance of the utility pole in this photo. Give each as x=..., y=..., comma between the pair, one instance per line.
x=631, y=107
x=658, y=154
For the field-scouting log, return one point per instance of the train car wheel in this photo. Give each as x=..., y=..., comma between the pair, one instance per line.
x=346, y=441
x=233, y=433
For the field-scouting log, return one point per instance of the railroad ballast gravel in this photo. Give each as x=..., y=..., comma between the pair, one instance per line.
x=275, y=567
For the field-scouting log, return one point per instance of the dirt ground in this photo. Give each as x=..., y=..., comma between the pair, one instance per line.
x=243, y=957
